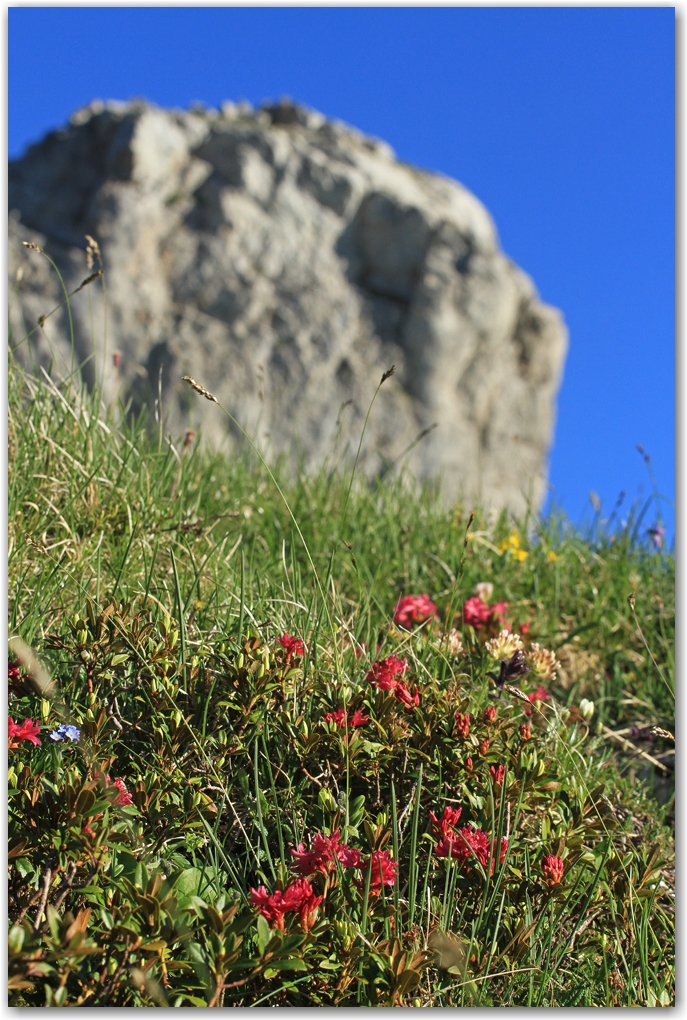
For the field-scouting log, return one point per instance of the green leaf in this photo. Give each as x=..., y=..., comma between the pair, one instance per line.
x=357, y=809
x=289, y=965
x=126, y=864
x=326, y=800
x=24, y=866
x=85, y=801
x=53, y=921
x=198, y=959
x=15, y=939
x=264, y=934
x=188, y=884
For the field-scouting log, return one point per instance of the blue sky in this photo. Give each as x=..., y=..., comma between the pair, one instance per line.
x=559, y=119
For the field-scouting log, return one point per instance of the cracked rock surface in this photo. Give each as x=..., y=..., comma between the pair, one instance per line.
x=285, y=261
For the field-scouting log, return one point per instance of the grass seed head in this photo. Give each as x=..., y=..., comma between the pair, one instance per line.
x=199, y=389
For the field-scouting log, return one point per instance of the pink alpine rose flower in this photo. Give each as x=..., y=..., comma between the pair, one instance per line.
x=292, y=645
x=298, y=897
x=387, y=675
x=124, y=798
x=412, y=610
x=326, y=851
x=384, y=871
x=408, y=698
x=445, y=825
x=475, y=612
x=339, y=719
x=541, y=694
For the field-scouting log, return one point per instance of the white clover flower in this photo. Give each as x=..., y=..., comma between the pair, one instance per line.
x=542, y=662
x=504, y=646
x=483, y=590
x=455, y=643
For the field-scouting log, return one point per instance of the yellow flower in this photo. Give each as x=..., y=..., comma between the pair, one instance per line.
x=512, y=545
x=551, y=556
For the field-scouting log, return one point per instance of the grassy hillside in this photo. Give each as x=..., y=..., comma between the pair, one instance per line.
x=230, y=651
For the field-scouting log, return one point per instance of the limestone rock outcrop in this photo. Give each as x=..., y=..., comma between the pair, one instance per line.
x=285, y=261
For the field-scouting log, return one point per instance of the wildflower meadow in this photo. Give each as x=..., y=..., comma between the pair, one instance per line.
x=321, y=741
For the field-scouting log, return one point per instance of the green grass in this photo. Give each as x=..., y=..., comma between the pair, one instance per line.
x=154, y=581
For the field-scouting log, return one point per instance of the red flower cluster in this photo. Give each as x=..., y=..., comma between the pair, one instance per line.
x=407, y=699
x=387, y=674
x=499, y=610
x=552, y=868
x=412, y=610
x=28, y=730
x=339, y=718
x=384, y=871
x=541, y=694
x=14, y=677
x=497, y=773
x=465, y=842
x=468, y=764
x=462, y=725
x=298, y=897
x=483, y=746
x=123, y=798
x=445, y=825
x=293, y=646
x=525, y=732
x=326, y=851
x=489, y=714
x=477, y=613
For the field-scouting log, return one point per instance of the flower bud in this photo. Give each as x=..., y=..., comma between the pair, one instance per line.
x=586, y=709
x=552, y=869
x=462, y=725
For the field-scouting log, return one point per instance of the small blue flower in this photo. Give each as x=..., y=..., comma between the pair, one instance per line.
x=63, y=730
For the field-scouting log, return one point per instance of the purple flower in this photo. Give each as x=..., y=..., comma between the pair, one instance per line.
x=657, y=532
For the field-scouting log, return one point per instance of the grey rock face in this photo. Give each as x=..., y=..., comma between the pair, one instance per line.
x=285, y=261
